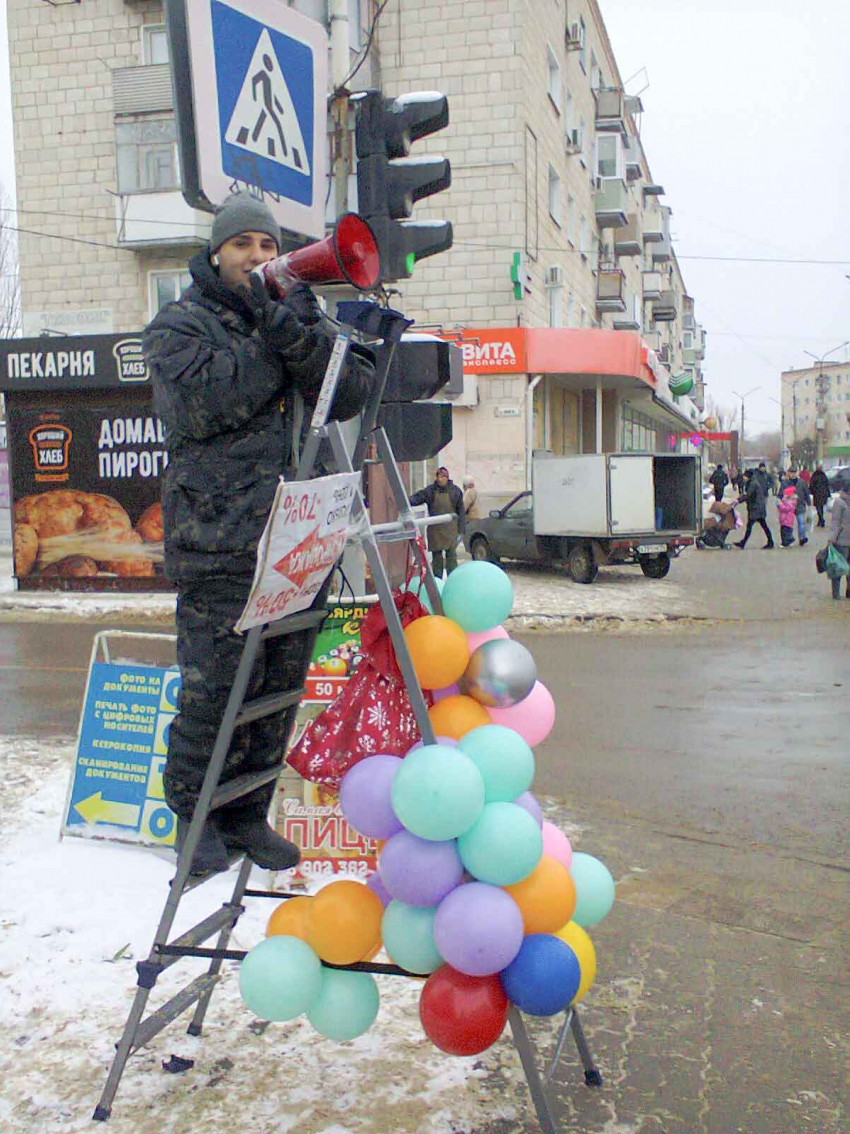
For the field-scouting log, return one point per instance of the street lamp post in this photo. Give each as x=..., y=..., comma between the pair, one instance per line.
x=822, y=382
x=743, y=398
x=777, y=402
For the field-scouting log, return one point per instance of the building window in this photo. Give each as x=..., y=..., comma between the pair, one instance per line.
x=568, y=112
x=687, y=339
x=571, y=219
x=608, y=156
x=639, y=431
x=582, y=236
x=165, y=287
x=595, y=73
x=582, y=38
x=154, y=44
x=582, y=137
x=555, y=306
x=355, y=25
x=568, y=321
x=554, y=78
x=147, y=155
x=583, y=318
x=555, y=196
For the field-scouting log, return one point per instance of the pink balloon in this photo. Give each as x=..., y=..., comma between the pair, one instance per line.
x=556, y=844
x=532, y=717
x=446, y=691
x=476, y=637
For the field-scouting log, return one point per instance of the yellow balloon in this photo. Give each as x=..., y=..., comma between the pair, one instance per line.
x=344, y=922
x=577, y=939
x=438, y=649
x=290, y=918
x=457, y=715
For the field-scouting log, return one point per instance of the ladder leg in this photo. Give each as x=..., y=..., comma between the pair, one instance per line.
x=197, y=1023
x=532, y=1075
x=592, y=1076
x=122, y=1054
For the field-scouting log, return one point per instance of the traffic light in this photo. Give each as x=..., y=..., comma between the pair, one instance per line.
x=389, y=182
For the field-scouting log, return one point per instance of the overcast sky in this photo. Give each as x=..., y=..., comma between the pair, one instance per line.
x=745, y=126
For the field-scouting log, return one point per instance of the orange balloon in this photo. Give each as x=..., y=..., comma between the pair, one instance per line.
x=438, y=649
x=344, y=922
x=372, y=952
x=289, y=919
x=546, y=898
x=457, y=715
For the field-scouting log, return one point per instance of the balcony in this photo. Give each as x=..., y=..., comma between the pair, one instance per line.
x=627, y=238
x=633, y=105
x=611, y=202
x=664, y=309
x=652, y=340
x=662, y=251
x=140, y=90
x=609, y=290
x=160, y=220
x=690, y=357
x=627, y=323
x=688, y=321
x=651, y=285
x=609, y=109
x=631, y=145
x=653, y=224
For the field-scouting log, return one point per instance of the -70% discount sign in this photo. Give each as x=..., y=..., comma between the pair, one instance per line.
x=303, y=538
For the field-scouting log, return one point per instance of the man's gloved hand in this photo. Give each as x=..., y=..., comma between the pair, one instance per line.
x=302, y=301
x=277, y=323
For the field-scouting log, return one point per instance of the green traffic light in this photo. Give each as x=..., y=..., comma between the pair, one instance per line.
x=410, y=263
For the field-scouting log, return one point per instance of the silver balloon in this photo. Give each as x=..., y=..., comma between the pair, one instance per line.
x=500, y=673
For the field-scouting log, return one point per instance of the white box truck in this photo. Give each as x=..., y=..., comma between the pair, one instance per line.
x=596, y=510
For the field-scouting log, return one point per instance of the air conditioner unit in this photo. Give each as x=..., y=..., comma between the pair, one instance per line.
x=554, y=277
x=573, y=141
x=572, y=37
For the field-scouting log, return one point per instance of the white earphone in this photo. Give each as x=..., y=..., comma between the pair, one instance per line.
x=214, y=261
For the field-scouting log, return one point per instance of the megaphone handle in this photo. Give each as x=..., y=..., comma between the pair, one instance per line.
x=323, y=405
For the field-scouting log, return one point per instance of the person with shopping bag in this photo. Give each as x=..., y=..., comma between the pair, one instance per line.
x=839, y=544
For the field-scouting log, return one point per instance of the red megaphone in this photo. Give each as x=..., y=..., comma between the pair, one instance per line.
x=349, y=255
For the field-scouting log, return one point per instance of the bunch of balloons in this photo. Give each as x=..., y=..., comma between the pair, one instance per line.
x=473, y=890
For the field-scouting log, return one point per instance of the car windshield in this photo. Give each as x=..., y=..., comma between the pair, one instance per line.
x=519, y=507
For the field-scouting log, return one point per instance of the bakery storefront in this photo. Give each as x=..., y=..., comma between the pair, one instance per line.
x=86, y=454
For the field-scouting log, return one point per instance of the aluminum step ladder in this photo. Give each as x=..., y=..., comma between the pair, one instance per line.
x=323, y=437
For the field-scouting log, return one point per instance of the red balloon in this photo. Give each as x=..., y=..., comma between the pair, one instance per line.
x=462, y=1014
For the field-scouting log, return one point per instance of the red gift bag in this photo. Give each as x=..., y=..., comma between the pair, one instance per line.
x=372, y=714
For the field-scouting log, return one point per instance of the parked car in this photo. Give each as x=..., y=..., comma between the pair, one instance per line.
x=840, y=472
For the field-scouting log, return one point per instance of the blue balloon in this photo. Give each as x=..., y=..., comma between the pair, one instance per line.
x=478, y=596
x=544, y=976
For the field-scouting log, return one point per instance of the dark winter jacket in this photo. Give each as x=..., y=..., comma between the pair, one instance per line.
x=445, y=535
x=718, y=480
x=804, y=498
x=227, y=402
x=756, y=499
x=819, y=488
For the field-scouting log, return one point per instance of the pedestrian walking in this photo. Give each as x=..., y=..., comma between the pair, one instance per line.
x=756, y=500
x=233, y=372
x=718, y=481
x=804, y=499
x=443, y=498
x=739, y=483
x=470, y=499
x=841, y=533
x=819, y=488
x=787, y=506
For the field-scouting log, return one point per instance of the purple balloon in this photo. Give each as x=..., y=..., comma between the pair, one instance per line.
x=365, y=796
x=419, y=872
x=379, y=889
x=478, y=929
x=446, y=741
x=528, y=803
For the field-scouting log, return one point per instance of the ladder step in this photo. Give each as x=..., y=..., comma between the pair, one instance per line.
x=241, y=785
x=198, y=879
x=203, y=931
x=173, y=1008
x=265, y=706
x=304, y=620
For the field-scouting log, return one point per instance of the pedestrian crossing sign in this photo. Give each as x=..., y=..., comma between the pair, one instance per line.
x=259, y=95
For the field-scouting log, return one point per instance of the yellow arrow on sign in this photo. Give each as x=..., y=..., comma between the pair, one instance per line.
x=96, y=809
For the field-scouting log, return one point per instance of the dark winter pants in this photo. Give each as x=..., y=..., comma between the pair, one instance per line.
x=718, y=492
x=208, y=653
x=437, y=561
x=750, y=525
x=820, y=508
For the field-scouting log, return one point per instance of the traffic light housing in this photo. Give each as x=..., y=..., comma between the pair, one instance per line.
x=389, y=182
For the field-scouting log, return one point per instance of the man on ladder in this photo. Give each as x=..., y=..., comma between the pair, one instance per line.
x=231, y=371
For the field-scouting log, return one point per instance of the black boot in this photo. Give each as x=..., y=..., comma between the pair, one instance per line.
x=261, y=843
x=210, y=854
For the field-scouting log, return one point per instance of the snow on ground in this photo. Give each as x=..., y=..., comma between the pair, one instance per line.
x=75, y=915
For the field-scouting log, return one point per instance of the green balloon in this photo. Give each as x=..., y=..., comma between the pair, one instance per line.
x=437, y=792
x=346, y=1006
x=478, y=596
x=594, y=889
x=408, y=936
x=280, y=978
x=503, y=847
x=503, y=758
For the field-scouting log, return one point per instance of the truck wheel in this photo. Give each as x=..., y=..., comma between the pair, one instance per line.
x=657, y=567
x=479, y=549
x=581, y=564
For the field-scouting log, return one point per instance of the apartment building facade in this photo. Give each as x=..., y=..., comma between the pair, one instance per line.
x=562, y=285
x=816, y=406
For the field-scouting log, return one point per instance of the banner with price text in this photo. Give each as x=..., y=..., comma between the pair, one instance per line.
x=303, y=538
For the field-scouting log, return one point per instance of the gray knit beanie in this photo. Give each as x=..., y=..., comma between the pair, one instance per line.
x=242, y=212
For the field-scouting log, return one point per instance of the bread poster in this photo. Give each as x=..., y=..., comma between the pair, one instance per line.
x=85, y=482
